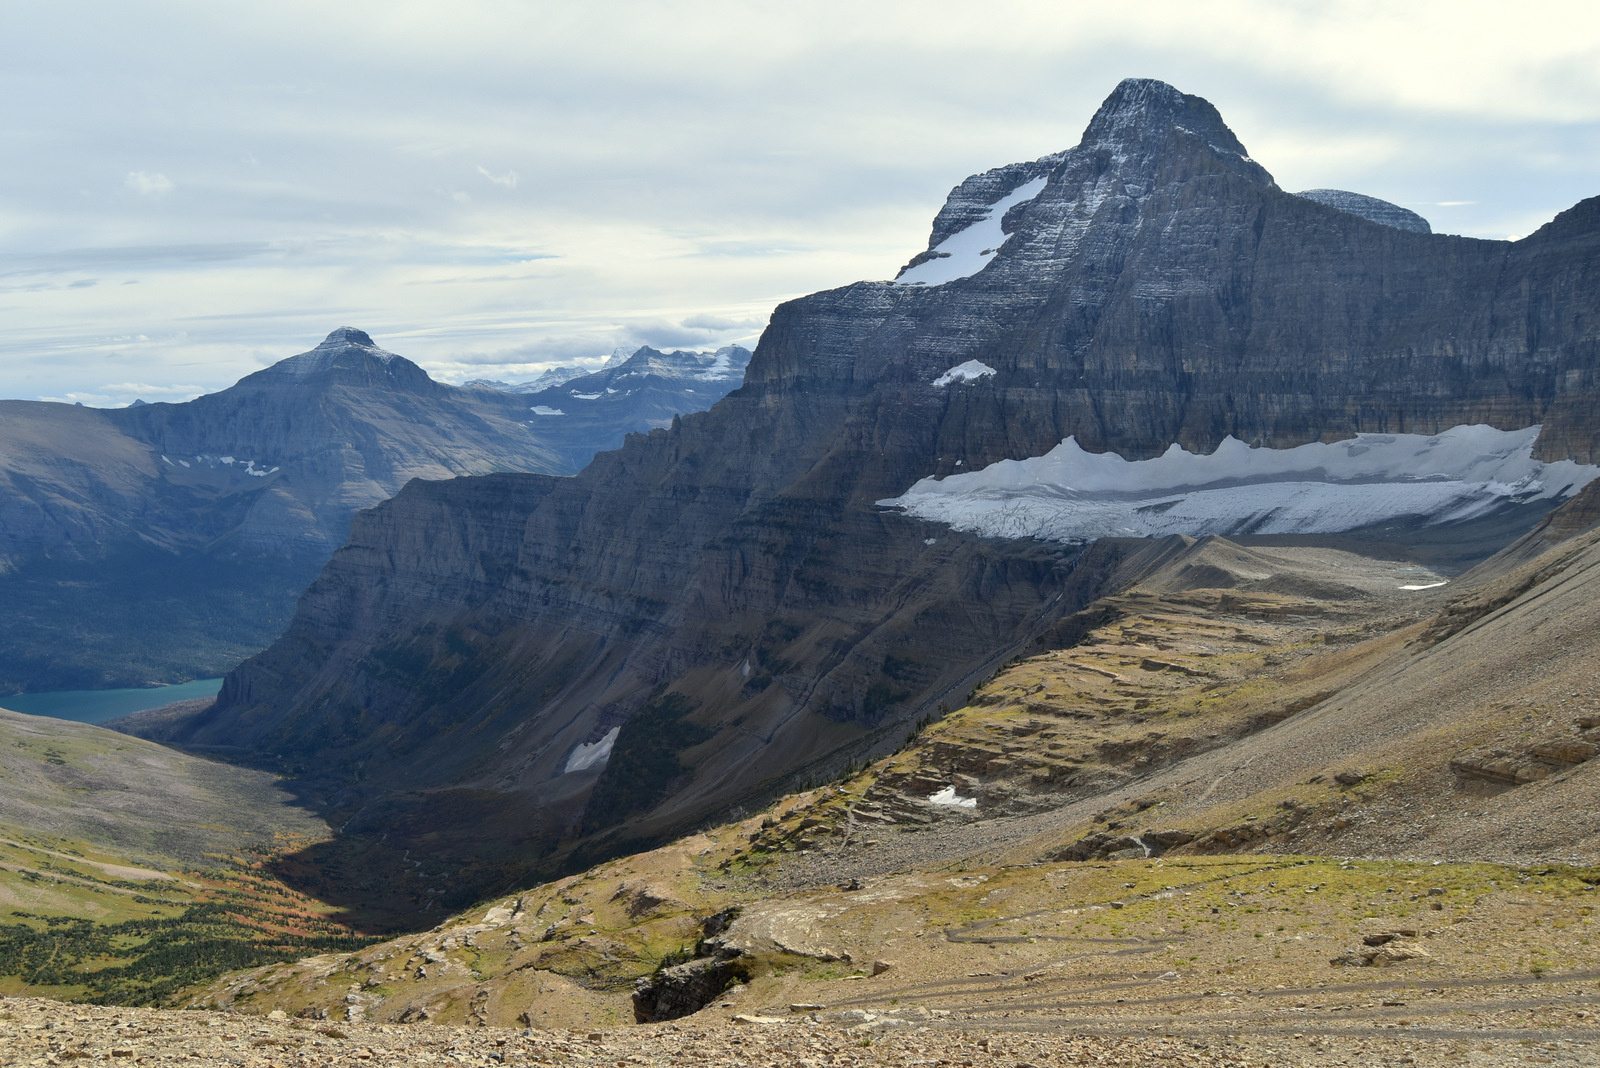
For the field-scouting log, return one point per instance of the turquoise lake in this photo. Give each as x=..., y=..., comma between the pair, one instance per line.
x=97, y=706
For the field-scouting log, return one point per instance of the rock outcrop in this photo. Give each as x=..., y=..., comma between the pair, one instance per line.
x=728, y=585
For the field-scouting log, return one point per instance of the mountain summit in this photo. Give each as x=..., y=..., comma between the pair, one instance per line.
x=1145, y=139
x=349, y=356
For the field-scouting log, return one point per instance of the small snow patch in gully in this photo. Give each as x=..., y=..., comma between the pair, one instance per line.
x=947, y=796
x=592, y=754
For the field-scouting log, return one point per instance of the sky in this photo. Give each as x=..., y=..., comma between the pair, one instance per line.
x=192, y=191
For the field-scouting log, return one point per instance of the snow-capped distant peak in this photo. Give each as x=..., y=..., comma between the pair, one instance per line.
x=969, y=251
x=970, y=371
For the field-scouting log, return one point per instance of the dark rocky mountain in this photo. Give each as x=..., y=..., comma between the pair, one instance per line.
x=521, y=672
x=168, y=541
x=634, y=394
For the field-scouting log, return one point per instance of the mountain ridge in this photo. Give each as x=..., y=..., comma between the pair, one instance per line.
x=241, y=494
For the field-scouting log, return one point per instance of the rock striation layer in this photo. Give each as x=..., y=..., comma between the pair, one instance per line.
x=726, y=595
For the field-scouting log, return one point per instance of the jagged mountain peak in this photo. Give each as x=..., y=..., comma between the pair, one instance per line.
x=1141, y=108
x=1146, y=136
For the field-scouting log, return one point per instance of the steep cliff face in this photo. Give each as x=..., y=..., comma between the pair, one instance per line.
x=723, y=603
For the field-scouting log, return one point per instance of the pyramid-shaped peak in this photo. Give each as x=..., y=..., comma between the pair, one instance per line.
x=1140, y=109
x=347, y=355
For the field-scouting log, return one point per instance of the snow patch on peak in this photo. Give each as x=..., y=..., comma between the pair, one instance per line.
x=969, y=250
x=970, y=371
x=1071, y=495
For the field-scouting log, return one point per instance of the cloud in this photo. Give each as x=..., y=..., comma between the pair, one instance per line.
x=134, y=256
x=717, y=322
x=146, y=389
x=147, y=184
x=508, y=179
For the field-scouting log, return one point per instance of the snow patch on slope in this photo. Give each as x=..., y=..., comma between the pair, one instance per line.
x=970, y=371
x=592, y=754
x=948, y=796
x=1071, y=495
x=968, y=251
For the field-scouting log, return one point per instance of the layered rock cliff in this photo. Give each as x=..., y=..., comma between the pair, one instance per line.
x=723, y=607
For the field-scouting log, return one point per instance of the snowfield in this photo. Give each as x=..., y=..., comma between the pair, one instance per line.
x=1071, y=495
x=966, y=252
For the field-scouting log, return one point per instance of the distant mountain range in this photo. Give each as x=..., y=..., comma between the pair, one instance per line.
x=575, y=407
x=161, y=542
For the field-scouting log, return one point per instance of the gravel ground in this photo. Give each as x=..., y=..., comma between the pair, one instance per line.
x=40, y=1032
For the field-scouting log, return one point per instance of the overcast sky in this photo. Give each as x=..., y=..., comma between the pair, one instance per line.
x=191, y=191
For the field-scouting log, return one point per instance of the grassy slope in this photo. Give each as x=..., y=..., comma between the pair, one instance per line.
x=1278, y=676
x=128, y=870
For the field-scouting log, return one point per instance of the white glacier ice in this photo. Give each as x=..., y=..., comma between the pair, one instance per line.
x=970, y=371
x=592, y=754
x=540, y=409
x=1071, y=495
x=966, y=252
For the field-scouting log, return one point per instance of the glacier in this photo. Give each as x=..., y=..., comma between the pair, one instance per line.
x=1071, y=495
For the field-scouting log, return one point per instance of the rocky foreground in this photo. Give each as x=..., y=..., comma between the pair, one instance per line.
x=34, y=1031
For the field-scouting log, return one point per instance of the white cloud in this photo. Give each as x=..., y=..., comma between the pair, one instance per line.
x=508, y=179
x=147, y=184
